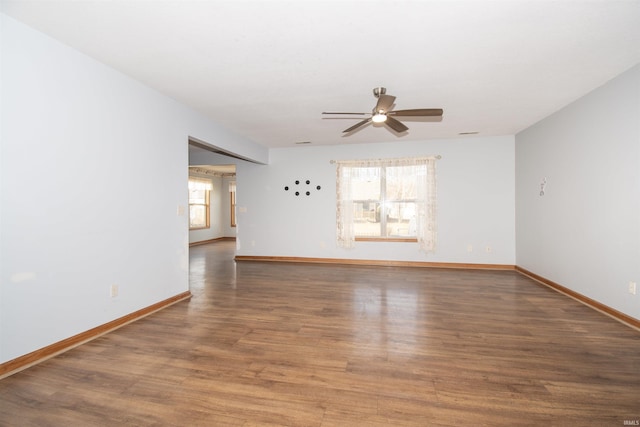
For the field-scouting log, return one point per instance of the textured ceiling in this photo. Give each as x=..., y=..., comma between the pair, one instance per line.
x=267, y=69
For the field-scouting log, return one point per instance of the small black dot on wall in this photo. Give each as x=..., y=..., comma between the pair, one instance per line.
x=318, y=187
x=297, y=182
x=308, y=182
x=286, y=188
x=308, y=193
x=297, y=193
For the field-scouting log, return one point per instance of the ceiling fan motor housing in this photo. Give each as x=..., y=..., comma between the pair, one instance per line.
x=377, y=91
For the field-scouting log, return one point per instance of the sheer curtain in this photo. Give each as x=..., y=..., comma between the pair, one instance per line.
x=422, y=169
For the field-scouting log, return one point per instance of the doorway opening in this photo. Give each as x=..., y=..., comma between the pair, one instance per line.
x=212, y=196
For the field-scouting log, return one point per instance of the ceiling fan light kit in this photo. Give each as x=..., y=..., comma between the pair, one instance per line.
x=379, y=118
x=383, y=111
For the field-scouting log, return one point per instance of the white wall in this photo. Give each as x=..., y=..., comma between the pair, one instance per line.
x=584, y=233
x=475, y=202
x=93, y=169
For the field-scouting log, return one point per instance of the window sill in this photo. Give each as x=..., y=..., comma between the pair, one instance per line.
x=386, y=239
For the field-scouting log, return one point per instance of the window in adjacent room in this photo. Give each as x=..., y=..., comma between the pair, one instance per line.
x=386, y=200
x=232, y=193
x=199, y=190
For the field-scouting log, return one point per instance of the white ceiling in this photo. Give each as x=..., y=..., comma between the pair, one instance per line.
x=267, y=69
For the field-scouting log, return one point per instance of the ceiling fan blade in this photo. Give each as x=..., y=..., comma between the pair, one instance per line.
x=418, y=112
x=385, y=102
x=356, y=126
x=396, y=125
x=358, y=114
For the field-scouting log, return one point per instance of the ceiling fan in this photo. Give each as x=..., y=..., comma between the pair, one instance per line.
x=383, y=113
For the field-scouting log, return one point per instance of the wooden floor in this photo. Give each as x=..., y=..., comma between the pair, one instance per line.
x=323, y=345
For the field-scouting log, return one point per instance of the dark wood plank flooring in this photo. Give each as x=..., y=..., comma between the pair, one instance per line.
x=326, y=345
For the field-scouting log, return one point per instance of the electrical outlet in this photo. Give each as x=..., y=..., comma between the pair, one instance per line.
x=469, y=247
x=113, y=291
x=632, y=288
x=488, y=249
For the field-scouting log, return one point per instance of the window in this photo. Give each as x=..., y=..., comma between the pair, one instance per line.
x=199, y=190
x=388, y=199
x=232, y=192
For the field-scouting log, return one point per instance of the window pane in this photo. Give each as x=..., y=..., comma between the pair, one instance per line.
x=366, y=219
x=198, y=196
x=401, y=219
x=401, y=182
x=365, y=189
x=197, y=216
x=365, y=184
x=233, y=206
